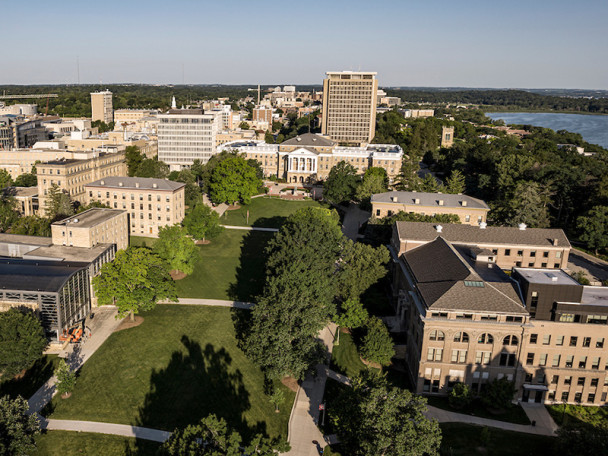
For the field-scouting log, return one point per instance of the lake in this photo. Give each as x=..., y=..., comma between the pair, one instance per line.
x=594, y=129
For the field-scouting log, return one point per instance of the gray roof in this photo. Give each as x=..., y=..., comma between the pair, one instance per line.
x=141, y=183
x=31, y=275
x=308, y=139
x=546, y=276
x=442, y=274
x=429, y=199
x=67, y=253
x=493, y=235
x=90, y=217
x=7, y=238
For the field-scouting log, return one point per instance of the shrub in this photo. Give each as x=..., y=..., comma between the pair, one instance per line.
x=66, y=378
x=378, y=346
x=460, y=396
x=499, y=393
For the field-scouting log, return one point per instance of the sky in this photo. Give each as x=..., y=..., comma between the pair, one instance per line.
x=429, y=43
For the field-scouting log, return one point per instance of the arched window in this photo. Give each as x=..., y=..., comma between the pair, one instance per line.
x=510, y=340
x=461, y=337
x=436, y=335
x=485, y=338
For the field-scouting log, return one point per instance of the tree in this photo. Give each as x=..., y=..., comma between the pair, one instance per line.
x=58, y=203
x=212, y=437
x=526, y=206
x=378, y=345
x=460, y=396
x=430, y=184
x=369, y=186
x=17, y=427
x=26, y=180
x=91, y=205
x=455, y=184
x=298, y=296
x=377, y=171
x=376, y=418
x=499, y=393
x=582, y=441
x=408, y=177
x=594, y=228
x=176, y=248
x=5, y=179
x=66, y=378
x=208, y=168
x=152, y=167
x=133, y=158
x=341, y=183
x=202, y=222
x=232, y=180
x=32, y=225
x=277, y=398
x=136, y=280
x=362, y=265
x=22, y=341
x=197, y=169
x=352, y=314
x=244, y=126
x=8, y=213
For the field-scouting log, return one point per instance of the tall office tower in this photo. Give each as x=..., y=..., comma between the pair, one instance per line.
x=185, y=135
x=349, y=106
x=101, y=106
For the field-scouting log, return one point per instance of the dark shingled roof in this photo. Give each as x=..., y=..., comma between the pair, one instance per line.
x=468, y=234
x=32, y=275
x=308, y=139
x=429, y=199
x=440, y=272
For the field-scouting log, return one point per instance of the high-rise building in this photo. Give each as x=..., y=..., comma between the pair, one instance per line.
x=349, y=106
x=185, y=135
x=101, y=106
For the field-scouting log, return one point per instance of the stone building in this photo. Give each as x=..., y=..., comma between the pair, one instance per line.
x=92, y=227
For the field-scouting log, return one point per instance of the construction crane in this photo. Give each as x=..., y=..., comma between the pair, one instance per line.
x=256, y=90
x=4, y=96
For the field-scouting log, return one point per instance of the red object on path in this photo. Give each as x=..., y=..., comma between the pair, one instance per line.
x=321, y=407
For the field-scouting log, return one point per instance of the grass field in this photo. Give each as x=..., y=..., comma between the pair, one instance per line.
x=33, y=379
x=65, y=443
x=579, y=414
x=265, y=212
x=181, y=364
x=514, y=414
x=466, y=439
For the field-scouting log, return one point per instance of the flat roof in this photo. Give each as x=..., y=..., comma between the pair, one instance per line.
x=546, y=276
x=136, y=183
x=67, y=253
x=21, y=191
x=595, y=296
x=90, y=217
x=8, y=238
x=36, y=275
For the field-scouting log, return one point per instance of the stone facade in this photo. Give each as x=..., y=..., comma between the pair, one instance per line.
x=92, y=227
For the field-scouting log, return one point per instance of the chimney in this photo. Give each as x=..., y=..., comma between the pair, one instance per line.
x=438, y=228
x=522, y=226
x=154, y=185
x=394, y=199
x=483, y=225
x=120, y=184
x=441, y=202
x=464, y=203
x=554, y=278
x=417, y=201
x=555, y=242
x=103, y=182
x=136, y=184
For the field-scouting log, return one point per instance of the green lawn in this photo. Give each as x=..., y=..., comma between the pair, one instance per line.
x=230, y=267
x=515, y=414
x=579, y=414
x=265, y=212
x=181, y=364
x=345, y=358
x=33, y=379
x=466, y=439
x=65, y=443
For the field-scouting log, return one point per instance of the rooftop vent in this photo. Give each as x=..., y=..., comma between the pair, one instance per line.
x=417, y=201
x=394, y=199
x=439, y=228
x=136, y=184
x=103, y=182
x=555, y=241
x=483, y=225
x=441, y=202
x=464, y=203
x=522, y=226
x=120, y=184
x=155, y=185
x=298, y=139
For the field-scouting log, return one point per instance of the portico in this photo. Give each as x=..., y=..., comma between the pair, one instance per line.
x=301, y=165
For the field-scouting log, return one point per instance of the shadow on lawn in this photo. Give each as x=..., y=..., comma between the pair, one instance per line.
x=26, y=385
x=192, y=386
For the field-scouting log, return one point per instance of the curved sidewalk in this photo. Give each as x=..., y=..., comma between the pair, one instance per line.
x=105, y=428
x=211, y=302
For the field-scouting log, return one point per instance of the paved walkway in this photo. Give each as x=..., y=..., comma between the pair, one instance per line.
x=105, y=428
x=538, y=413
x=353, y=219
x=220, y=208
x=305, y=412
x=102, y=325
x=250, y=228
x=211, y=302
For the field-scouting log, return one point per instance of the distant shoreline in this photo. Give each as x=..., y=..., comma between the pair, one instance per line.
x=542, y=111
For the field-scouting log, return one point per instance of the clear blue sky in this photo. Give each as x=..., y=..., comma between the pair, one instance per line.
x=532, y=43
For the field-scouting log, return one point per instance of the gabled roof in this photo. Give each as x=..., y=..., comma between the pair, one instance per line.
x=140, y=183
x=308, y=139
x=429, y=199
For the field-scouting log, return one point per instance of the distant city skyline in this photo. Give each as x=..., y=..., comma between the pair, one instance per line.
x=540, y=44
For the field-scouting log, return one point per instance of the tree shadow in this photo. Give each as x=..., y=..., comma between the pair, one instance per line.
x=250, y=274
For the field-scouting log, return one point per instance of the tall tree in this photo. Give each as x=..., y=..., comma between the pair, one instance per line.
x=58, y=203
x=152, y=167
x=594, y=228
x=5, y=179
x=341, y=183
x=134, y=158
x=526, y=206
x=234, y=180
x=362, y=265
x=136, y=280
x=26, y=180
x=8, y=213
x=430, y=184
x=32, y=225
x=408, y=177
x=352, y=314
x=376, y=418
x=455, y=184
x=371, y=184
x=17, y=427
x=298, y=296
x=202, y=222
x=176, y=248
x=22, y=341
x=378, y=345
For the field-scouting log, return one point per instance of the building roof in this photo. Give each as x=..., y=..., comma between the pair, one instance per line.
x=446, y=281
x=546, y=276
x=7, y=238
x=64, y=253
x=308, y=140
x=90, y=217
x=141, y=183
x=21, y=191
x=492, y=235
x=429, y=199
x=32, y=275
x=595, y=296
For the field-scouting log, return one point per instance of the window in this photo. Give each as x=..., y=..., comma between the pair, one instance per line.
x=507, y=252
x=545, y=254
x=565, y=396
x=473, y=283
x=482, y=357
x=531, y=264
x=569, y=360
x=597, y=319
x=599, y=343
x=434, y=354
x=461, y=337
x=595, y=381
x=547, y=339
x=511, y=318
x=582, y=363
x=528, y=377
x=586, y=342
x=530, y=359
x=507, y=359
x=596, y=363
x=533, y=253
x=555, y=379
x=436, y=335
x=591, y=397
x=560, y=340
x=520, y=253
x=543, y=360
x=573, y=341
x=485, y=338
x=510, y=340
x=377, y=212
x=435, y=386
x=533, y=338
x=556, y=265
x=566, y=317
x=459, y=356
x=556, y=360
x=578, y=397
x=568, y=380
x=427, y=385
x=581, y=381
